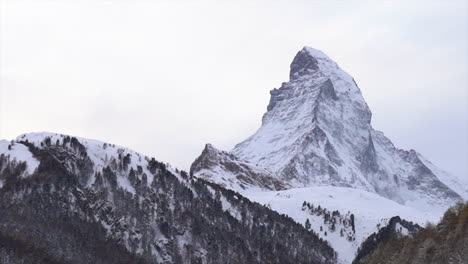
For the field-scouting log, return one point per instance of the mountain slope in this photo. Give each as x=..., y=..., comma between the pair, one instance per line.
x=329, y=211
x=230, y=172
x=70, y=200
x=370, y=211
x=316, y=140
x=447, y=242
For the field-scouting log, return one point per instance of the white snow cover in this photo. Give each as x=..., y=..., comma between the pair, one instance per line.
x=19, y=152
x=369, y=209
x=403, y=230
x=318, y=54
x=227, y=179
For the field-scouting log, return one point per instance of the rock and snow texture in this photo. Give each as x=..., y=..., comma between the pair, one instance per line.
x=229, y=171
x=316, y=136
x=317, y=132
x=73, y=199
x=100, y=154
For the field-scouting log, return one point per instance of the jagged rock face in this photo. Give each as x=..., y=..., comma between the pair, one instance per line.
x=69, y=200
x=317, y=131
x=303, y=64
x=236, y=174
x=307, y=118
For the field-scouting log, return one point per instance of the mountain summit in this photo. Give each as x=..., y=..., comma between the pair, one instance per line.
x=317, y=132
x=317, y=158
x=305, y=62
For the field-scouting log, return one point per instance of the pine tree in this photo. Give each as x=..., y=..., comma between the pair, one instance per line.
x=307, y=224
x=352, y=223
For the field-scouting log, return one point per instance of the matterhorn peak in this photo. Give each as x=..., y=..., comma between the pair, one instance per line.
x=317, y=142
x=306, y=62
x=317, y=131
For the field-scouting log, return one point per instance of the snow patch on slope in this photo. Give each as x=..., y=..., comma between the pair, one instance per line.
x=371, y=211
x=19, y=153
x=318, y=54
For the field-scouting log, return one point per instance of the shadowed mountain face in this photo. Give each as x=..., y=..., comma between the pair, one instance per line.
x=70, y=200
x=317, y=132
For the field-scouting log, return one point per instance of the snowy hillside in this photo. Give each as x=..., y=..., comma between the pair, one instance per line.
x=19, y=153
x=65, y=199
x=370, y=211
x=101, y=155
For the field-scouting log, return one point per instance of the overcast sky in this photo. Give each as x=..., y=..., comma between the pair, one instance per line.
x=166, y=77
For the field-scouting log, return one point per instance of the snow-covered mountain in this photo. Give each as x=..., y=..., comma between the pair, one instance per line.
x=317, y=138
x=317, y=132
x=65, y=199
x=330, y=207
x=317, y=172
